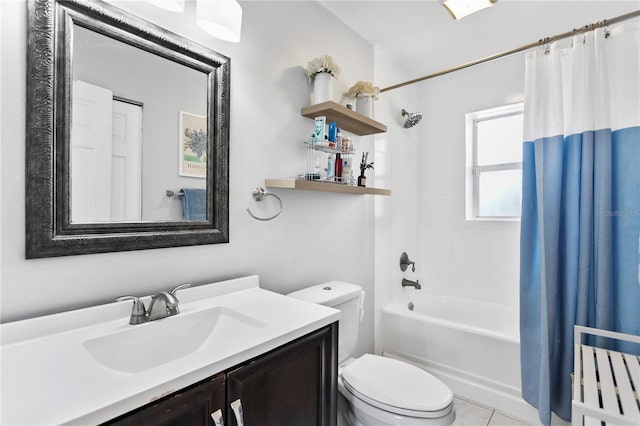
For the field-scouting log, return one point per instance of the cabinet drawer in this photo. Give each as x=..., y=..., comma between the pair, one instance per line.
x=190, y=407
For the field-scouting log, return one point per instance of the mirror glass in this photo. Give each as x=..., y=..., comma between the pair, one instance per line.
x=138, y=130
x=127, y=133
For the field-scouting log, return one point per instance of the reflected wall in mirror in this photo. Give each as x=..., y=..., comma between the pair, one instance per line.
x=127, y=107
x=120, y=112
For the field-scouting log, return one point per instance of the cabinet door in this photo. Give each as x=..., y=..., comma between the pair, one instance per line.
x=295, y=384
x=191, y=407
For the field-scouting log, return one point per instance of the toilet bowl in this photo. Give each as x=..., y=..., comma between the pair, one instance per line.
x=385, y=391
x=376, y=390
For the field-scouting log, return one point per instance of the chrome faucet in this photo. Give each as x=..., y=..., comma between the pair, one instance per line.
x=409, y=283
x=163, y=304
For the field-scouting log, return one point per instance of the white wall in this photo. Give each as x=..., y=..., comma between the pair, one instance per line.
x=318, y=237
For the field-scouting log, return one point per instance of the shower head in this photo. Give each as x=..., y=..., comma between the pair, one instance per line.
x=413, y=118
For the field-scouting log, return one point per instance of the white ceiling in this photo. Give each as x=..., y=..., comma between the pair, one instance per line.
x=422, y=37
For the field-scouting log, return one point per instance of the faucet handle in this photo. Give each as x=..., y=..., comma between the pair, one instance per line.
x=180, y=287
x=138, y=304
x=138, y=312
x=174, y=309
x=405, y=262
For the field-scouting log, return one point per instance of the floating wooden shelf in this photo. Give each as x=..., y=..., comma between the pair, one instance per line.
x=310, y=185
x=347, y=119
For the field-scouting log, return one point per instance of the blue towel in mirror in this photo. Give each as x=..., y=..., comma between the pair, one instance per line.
x=194, y=204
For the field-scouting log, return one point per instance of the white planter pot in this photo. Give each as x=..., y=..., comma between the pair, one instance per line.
x=322, y=87
x=364, y=106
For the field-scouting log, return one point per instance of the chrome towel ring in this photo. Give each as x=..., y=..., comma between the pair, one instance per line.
x=259, y=194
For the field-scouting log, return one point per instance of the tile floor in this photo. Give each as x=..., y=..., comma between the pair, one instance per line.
x=469, y=413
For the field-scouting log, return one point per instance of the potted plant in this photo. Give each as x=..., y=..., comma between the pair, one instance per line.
x=364, y=93
x=320, y=71
x=362, y=179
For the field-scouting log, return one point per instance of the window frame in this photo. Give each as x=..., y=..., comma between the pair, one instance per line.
x=473, y=170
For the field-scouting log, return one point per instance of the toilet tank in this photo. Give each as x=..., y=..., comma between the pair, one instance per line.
x=346, y=297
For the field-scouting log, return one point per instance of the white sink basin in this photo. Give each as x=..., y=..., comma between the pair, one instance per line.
x=89, y=365
x=141, y=347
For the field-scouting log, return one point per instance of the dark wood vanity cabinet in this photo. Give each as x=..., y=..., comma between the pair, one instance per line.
x=190, y=407
x=294, y=384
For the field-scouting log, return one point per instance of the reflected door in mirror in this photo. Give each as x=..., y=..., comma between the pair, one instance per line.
x=126, y=164
x=105, y=157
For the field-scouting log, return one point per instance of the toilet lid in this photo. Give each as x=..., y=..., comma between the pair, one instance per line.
x=388, y=383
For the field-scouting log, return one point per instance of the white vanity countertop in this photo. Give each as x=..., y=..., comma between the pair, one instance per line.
x=49, y=376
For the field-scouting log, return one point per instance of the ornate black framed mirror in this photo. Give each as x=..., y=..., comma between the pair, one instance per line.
x=122, y=115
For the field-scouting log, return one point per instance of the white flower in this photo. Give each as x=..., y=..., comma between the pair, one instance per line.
x=325, y=63
x=363, y=88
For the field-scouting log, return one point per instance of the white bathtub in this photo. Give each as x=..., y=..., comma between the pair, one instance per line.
x=472, y=346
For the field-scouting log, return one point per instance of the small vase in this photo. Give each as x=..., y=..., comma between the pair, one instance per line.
x=364, y=106
x=362, y=180
x=322, y=87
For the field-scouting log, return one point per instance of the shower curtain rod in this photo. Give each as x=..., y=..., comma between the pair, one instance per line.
x=541, y=42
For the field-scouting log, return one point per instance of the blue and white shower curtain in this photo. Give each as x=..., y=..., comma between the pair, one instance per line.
x=580, y=230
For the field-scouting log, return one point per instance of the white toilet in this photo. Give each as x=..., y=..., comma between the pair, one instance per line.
x=378, y=390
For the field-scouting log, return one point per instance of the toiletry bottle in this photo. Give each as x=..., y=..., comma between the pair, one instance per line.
x=316, y=168
x=331, y=163
x=346, y=169
x=346, y=144
x=338, y=168
x=338, y=139
x=319, y=129
x=332, y=131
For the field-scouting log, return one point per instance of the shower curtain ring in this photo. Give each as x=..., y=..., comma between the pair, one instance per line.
x=546, y=45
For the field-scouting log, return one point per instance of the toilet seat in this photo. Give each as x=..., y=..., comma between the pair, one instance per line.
x=397, y=387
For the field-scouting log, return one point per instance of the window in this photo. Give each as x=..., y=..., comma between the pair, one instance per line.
x=494, y=163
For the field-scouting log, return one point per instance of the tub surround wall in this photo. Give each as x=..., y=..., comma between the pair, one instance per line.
x=395, y=168
x=470, y=259
x=318, y=237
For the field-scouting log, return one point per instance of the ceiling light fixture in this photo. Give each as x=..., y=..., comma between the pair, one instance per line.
x=461, y=8
x=172, y=5
x=220, y=18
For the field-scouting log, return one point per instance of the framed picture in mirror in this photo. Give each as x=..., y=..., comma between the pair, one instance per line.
x=192, y=145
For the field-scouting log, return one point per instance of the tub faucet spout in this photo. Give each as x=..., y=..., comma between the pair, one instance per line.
x=409, y=283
